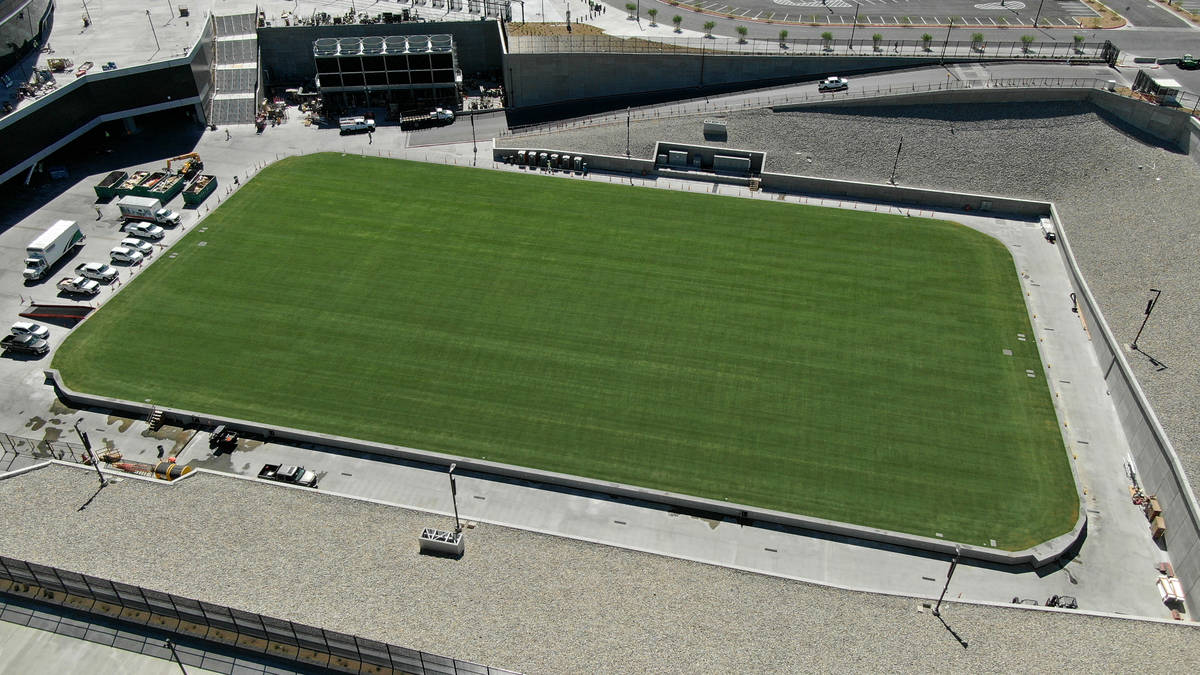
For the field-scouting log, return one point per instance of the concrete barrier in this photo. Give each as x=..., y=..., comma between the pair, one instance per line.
x=1158, y=467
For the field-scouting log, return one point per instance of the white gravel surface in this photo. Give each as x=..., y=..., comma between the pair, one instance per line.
x=1129, y=204
x=527, y=601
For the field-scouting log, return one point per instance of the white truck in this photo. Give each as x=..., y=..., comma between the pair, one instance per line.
x=146, y=208
x=50, y=247
x=78, y=285
x=350, y=125
x=434, y=118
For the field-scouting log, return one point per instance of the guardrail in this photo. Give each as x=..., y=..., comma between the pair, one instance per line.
x=249, y=631
x=813, y=46
x=782, y=95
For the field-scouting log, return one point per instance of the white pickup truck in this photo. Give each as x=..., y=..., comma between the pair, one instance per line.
x=78, y=285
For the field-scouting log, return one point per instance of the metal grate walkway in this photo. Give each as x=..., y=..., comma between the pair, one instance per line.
x=235, y=69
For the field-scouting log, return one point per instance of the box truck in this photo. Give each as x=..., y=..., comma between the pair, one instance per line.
x=50, y=247
x=146, y=208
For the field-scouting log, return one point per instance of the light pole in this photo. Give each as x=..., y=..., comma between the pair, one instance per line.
x=171, y=645
x=474, y=147
x=942, y=59
x=454, y=498
x=854, y=25
x=1149, y=308
x=628, y=115
x=1039, y=13
x=157, y=46
x=937, y=610
x=896, y=163
x=170, y=9
x=89, y=14
x=87, y=446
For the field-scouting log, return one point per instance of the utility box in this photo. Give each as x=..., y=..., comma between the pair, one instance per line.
x=1158, y=527
x=731, y=164
x=677, y=157
x=441, y=542
x=715, y=129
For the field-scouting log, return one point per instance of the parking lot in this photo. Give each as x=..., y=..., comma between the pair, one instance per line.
x=916, y=13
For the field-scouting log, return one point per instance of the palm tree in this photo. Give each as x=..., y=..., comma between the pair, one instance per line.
x=783, y=39
x=741, y=31
x=1078, y=44
x=653, y=13
x=1026, y=40
x=925, y=40
x=708, y=26
x=826, y=38
x=875, y=40
x=677, y=20
x=977, y=41
x=631, y=8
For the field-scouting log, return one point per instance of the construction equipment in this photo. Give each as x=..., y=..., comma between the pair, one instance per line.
x=192, y=164
x=59, y=65
x=87, y=65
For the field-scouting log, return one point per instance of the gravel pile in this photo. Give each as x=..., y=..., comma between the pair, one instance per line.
x=521, y=600
x=1129, y=204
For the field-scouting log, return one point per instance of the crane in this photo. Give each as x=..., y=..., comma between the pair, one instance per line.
x=191, y=166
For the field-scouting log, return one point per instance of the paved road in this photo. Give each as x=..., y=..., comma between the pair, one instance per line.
x=892, y=12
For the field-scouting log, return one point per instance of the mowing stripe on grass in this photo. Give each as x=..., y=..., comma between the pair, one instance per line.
x=840, y=364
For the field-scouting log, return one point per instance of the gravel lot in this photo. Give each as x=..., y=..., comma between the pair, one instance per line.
x=526, y=601
x=1129, y=205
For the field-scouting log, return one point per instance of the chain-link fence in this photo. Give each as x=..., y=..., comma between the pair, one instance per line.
x=38, y=449
x=816, y=46
x=217, y=623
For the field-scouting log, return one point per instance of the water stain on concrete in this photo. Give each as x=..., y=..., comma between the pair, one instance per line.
x=712, y=523
x=35, y=423
x=177, y=436
x=123, y=423
x=57, y=407
x=53, y=434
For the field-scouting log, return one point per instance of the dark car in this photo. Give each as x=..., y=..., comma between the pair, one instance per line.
x=24, y=343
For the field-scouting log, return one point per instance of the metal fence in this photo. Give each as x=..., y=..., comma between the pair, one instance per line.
x=41, y=448
x=226, y=625
x=787, y=95
x=813, y=46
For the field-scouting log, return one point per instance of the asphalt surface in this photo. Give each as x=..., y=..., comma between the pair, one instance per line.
x=893, y=12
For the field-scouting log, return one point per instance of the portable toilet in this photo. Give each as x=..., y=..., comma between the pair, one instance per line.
x=578, y=163
x=520, y=157
x=543, y=159
x=554, y=160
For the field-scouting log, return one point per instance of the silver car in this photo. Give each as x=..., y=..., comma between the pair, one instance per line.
x=137, y=245
x=96, y=272
x=124, y=254
x=37, y=330
x=145, y=231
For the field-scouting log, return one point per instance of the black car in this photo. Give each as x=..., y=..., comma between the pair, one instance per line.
x=24, y=343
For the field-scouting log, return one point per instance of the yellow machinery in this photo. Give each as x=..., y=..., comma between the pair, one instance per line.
x=191, y=166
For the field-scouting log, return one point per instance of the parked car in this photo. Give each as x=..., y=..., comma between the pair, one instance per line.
x=78, y=286
x=24, y=343
x=145, y=230
x=96, y=271
x=124, y=254
x=37, y=330
x=137, y=245
x=833, y=84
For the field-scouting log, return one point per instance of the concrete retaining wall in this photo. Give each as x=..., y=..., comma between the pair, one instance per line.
x=287, y=55
x=541, y=79
x=1172, y=125
x=1158, y=467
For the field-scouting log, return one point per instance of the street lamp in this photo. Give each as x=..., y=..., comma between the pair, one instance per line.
x=1039, y=13
x=157, y=46
x=454, y=498
x=474, y=146
x=87, y=446
x=854, y=26
x=942, y=59
x=171, y=645
x=1149, y=308
x=937, y=611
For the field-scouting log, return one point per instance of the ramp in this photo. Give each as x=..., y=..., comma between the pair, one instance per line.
x=74, y=313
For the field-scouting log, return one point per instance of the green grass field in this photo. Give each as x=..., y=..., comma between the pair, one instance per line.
x=834, y=363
